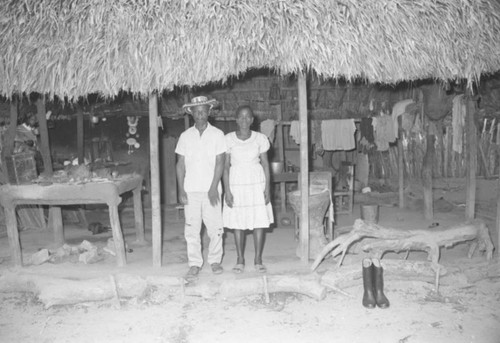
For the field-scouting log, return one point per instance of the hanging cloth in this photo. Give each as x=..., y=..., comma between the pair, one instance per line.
x=383, y=129
x=267, y=127
x=338, y=134
x=398, y=109
x=458, y=122
x=295, y=131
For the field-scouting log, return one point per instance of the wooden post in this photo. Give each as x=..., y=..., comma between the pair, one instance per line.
x=9, y=139
x=79, y=135
x=304, y=170
x=401, y=166
x=55, y=213
x=155, y=179
x=281, y=154
x=11, y=131
x=470, y=201
x=427, y=176
x=44, y=134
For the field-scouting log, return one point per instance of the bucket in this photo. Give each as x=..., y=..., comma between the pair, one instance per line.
x=369, y=213
x=277, y=167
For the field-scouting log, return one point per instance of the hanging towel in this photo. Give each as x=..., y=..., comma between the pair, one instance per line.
x=383, y=130
x=338, y=134
x=398, y=109
x=267, y=127
x=295, y=131
x=458, y=122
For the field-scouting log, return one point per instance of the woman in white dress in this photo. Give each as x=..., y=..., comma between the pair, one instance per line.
x=247, y=203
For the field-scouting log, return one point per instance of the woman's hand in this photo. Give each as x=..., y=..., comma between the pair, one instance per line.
x=213, y=196
x=183, y=197
x=229, y=199
x=267, y=196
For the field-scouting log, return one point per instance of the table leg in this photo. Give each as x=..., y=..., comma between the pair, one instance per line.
x=117, y=236
x=55, y=216
x=14, y=244
x=138, y=216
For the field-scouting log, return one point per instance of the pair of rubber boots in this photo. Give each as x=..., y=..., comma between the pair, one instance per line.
x=373, y=283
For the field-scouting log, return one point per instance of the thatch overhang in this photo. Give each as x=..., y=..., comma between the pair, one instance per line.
x=75, y=47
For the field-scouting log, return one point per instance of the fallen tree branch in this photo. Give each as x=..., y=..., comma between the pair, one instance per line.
x=390, y=239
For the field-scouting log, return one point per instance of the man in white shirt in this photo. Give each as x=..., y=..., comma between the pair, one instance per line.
x=200, y=164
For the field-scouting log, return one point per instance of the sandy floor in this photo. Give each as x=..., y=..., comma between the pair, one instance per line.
x=417, y=313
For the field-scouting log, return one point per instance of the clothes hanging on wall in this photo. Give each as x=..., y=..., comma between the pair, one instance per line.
x=366, y=129
x=316, y=137
x=295, y=131
x=458, y=122
x=383, y=128
x=338, y=134
x=267, y=127
x=398, y=109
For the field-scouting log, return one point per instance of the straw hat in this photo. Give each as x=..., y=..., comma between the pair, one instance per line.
x=199, y=101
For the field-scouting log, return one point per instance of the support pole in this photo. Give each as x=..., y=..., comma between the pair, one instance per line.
x=55, y=212
x=401, y=166
x=471, y=159
x=304, y=170
x=498, y=216
x=427, y=176
x=79, y=135
x=155, y=180
x=44, y=134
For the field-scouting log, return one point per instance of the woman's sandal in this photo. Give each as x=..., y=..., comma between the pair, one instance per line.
x=260, y=268
x=238, y=269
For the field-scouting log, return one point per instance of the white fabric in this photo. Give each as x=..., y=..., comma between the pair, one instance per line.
x=197, y=209
x=267, y=127
x=200, y=152
x=247, y=182
x=398, y=109
x=458, y=122
x=295, y=131
x=338, y=134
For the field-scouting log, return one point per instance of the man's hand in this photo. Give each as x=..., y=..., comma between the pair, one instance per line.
x=229, y=199
x=183, y=197
x=213, y=196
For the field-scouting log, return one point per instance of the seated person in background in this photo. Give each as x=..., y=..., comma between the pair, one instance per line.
x=26, y=139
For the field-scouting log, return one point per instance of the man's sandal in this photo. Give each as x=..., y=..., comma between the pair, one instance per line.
x=238, y=269
x=260, y=268
x=216, y=268
x=192, y=273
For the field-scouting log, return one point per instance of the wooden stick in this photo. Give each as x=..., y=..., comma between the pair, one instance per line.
x=472, y=160
x=79, y=135
x=401, y=166
x=266, y=290
x=155, y=180
x=116, y=297
x=498, y=217
x=427, y=177
x=304, y=170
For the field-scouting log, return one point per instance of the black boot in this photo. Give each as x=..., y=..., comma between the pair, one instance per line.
x=378, y=280
x=368, y=295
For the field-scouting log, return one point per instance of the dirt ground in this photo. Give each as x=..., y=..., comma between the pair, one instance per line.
x=457, y=313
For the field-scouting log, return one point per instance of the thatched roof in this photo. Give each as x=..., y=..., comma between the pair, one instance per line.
x=75, y=47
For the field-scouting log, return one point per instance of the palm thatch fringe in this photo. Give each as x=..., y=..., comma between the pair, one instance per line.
x=75, y=47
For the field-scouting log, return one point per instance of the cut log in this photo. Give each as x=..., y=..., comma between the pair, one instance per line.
x=351, y=275
x=390, y=239
x=307, y=284
x=56, y=291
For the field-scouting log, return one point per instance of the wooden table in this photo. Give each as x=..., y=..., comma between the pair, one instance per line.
x=107, y=192
x=282, y=179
